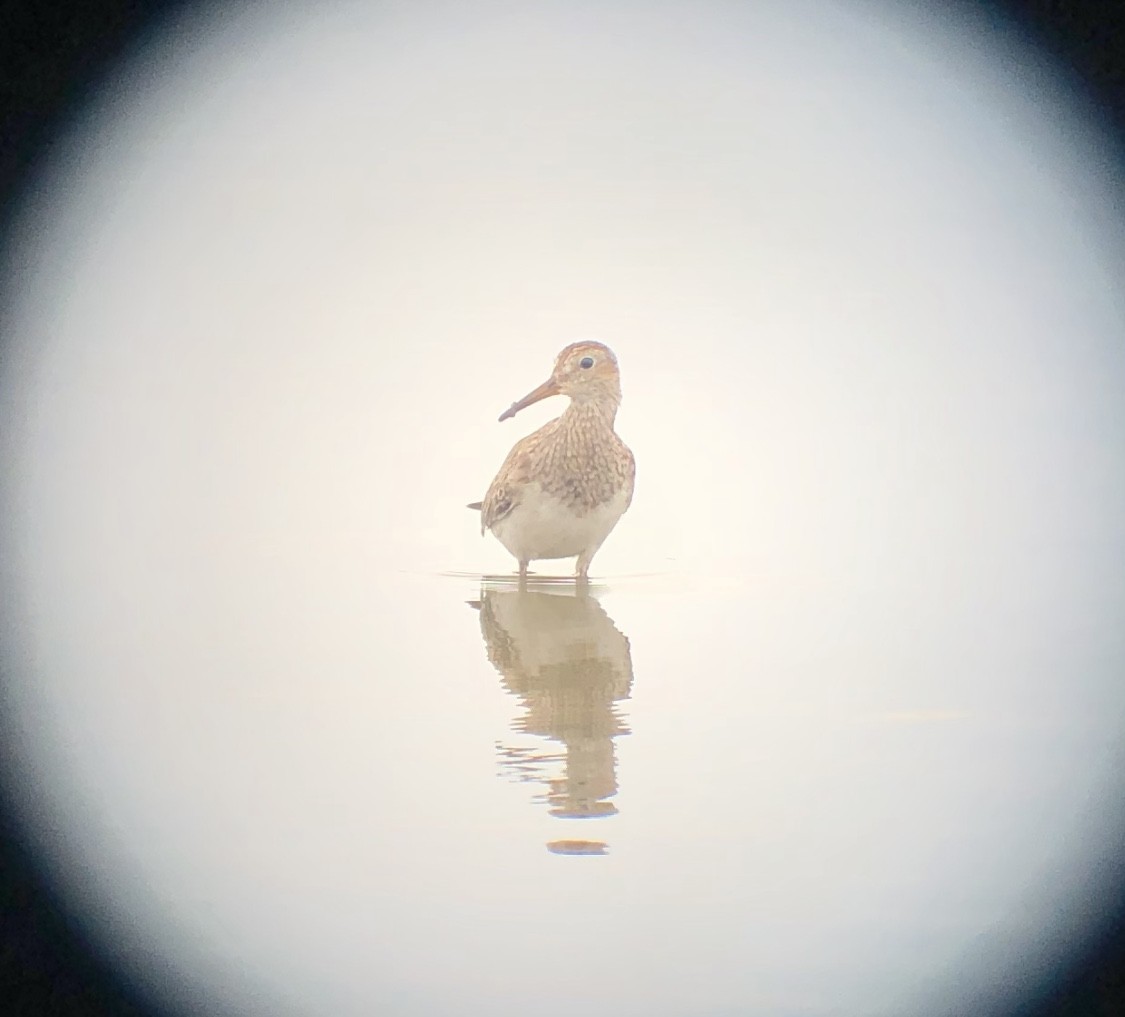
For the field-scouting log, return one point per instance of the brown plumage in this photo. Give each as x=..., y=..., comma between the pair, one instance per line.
x=562, y=489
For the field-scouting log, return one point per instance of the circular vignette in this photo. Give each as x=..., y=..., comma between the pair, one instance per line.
x=56, y=58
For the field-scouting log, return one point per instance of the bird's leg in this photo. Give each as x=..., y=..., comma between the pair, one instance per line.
x=582, y=568
x=523, y=574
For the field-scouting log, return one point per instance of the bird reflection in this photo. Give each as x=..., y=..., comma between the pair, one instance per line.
x=559, y=652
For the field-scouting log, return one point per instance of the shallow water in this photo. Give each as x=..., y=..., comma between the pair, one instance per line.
x=660, y=795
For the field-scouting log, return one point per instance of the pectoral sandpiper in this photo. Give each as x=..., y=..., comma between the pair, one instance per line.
x=562, y=489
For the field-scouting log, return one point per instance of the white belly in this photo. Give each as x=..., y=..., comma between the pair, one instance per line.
x=541, y=526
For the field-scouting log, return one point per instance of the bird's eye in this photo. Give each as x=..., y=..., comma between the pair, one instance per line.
x=586, y=362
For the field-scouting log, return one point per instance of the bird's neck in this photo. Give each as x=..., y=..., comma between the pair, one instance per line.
x=596, y=413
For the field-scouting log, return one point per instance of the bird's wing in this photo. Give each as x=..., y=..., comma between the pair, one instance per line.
x=630, y=475
x=504, y=492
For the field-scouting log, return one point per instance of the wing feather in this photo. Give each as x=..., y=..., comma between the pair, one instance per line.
x=631, y=474
x=504, y=492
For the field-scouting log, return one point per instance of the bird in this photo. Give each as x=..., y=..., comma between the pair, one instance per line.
x=562, y=489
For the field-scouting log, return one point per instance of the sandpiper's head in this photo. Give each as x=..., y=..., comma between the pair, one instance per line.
x=586, y=371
